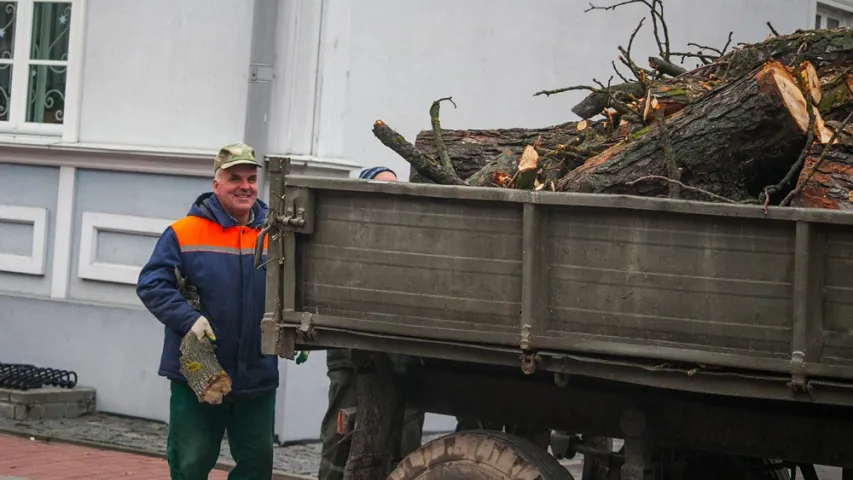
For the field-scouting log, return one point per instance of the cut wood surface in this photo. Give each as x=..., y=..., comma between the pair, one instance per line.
x=204, y=375
x=747, y=130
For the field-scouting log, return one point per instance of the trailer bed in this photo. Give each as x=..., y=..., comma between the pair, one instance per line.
x=665, y=285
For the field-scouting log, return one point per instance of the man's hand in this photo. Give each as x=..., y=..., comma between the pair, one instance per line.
x=201, y=328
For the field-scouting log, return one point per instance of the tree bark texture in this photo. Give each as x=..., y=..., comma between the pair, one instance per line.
x=836, y=95
x=204, y=375
x=831, y=185
x=823, y=48
x=739, y=135
x=378, y=423
x=471, y=150
x=672, y=96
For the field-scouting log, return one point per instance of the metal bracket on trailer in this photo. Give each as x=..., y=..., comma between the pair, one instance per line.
x=799, y=382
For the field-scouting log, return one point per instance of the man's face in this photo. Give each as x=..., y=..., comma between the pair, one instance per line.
x=386, y=177
x=237, y=189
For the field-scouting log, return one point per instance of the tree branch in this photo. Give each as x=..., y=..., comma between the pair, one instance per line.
x=678, y=183
x=436, y=131
x=425, y=165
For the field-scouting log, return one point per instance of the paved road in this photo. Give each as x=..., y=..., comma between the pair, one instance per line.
x=150, y=437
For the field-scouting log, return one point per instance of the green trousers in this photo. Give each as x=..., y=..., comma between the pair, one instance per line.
x=196, y=431
x=343, y=394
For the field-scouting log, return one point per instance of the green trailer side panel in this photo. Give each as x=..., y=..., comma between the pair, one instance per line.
x=650, y=280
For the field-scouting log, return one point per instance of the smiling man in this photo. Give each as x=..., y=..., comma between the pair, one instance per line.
x=213, y=248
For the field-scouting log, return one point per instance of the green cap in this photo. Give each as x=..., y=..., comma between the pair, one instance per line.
x=235, y=154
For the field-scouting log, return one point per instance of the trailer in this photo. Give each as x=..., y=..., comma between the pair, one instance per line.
x=713, y=340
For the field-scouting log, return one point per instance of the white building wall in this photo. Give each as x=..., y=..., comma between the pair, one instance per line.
x=166, y=74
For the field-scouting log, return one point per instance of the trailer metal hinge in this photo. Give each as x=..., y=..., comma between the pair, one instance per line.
x=799, y=382
x=525, y=337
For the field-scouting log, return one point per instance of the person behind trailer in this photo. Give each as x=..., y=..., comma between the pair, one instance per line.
x=211, y=248
x=343, y=396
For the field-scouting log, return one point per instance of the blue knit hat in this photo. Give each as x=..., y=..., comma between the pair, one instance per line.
x=371, y=173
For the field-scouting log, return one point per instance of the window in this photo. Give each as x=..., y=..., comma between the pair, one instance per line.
x=34, y=42
x=828, y=17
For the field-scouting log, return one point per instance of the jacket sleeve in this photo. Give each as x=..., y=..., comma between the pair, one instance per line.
x=157, y=286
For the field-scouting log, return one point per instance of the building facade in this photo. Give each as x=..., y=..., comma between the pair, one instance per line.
x=111, y=112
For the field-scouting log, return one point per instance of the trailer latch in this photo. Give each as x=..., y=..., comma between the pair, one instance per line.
x=306, y=326
x=798, y=381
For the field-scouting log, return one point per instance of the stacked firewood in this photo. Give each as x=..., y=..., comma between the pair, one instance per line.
x=765, y=123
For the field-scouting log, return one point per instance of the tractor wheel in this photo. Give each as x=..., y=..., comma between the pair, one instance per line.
x=480, y=455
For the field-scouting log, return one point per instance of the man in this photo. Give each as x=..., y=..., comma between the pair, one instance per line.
x=213, y=247
x=343, y=395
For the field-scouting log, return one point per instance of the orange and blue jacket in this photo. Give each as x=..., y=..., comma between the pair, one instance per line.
x=216, y=254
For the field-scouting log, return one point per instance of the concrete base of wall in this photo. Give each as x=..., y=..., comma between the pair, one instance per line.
x=47, y=402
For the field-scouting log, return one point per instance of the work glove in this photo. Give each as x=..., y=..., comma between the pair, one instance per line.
x=201, y=328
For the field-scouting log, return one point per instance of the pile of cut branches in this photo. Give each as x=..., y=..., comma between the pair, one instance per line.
x=764, y=123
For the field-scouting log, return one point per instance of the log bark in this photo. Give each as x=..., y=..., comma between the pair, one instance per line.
x=497, y=173
x=594, y=103
x=823, y=48
x=200, y=367
x=836, y=95
x=728, y=143
x=471, y=150
x=672, y=95
x=831, y=185
x=378, y=423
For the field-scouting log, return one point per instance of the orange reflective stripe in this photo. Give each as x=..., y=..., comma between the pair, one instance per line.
x=197, y=234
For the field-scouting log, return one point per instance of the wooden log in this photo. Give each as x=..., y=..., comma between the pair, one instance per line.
x=672, y=95
x=728, y=143
x=595, y=103
x=836, y=95
x=200, y=367
x=831, y=185
x=497, y=173
x=379, y=422
x=471, y=150
x=823, y=48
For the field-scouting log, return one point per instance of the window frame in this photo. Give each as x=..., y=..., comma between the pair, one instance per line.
x=21, y=62
x=825, y=10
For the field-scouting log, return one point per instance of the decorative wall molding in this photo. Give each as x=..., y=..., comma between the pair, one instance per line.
x=94, y=223
x=63, y=232
x=34, y=263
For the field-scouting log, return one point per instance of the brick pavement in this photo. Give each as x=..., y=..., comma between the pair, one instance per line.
x=34, y=460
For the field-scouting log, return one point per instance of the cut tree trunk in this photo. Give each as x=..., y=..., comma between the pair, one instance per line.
x=204, y=375
x=822, y=48
x=831, y=185
x=736, y=139
x=471, y=150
